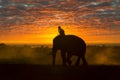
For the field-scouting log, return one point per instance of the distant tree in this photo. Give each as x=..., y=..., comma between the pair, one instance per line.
x=2, y=45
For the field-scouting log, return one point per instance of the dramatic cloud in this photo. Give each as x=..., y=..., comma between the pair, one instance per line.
x=90, y=16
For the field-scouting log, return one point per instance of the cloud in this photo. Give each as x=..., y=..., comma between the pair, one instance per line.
x=93, y=14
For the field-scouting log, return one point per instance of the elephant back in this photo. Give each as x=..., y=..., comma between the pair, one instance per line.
x=69, y=43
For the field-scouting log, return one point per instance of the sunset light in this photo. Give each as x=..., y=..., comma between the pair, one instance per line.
x=71, y=33
x=28, y=22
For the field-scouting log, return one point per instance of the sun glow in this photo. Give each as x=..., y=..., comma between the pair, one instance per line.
x=34, y=34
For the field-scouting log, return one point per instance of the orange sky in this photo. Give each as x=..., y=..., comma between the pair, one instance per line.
x=28, y=23
x=45, y=35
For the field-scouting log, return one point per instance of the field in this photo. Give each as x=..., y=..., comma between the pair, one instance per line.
x=95, y=55
x=47, y=72
x=35, y=63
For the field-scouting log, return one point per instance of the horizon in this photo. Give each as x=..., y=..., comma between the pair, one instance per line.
x=88, y=44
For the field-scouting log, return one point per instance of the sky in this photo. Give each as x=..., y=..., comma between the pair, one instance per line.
x=36, y=21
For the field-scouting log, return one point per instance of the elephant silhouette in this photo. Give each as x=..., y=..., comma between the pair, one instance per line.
x=69, y=45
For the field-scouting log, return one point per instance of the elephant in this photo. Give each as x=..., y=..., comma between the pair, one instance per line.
x=69, y=45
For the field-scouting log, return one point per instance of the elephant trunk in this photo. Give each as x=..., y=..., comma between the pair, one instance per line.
x=54, y=56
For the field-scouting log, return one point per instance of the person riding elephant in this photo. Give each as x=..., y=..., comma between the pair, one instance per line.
x=61, y=31
x=69, y=45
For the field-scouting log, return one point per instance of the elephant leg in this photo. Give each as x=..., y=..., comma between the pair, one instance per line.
x=84, y=60
x=78, y=61
x=69, y=58
x=63, y=55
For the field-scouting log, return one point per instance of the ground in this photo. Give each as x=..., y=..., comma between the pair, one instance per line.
x=49, y=72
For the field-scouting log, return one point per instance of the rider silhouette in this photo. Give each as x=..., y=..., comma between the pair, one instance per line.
x=61, y=31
